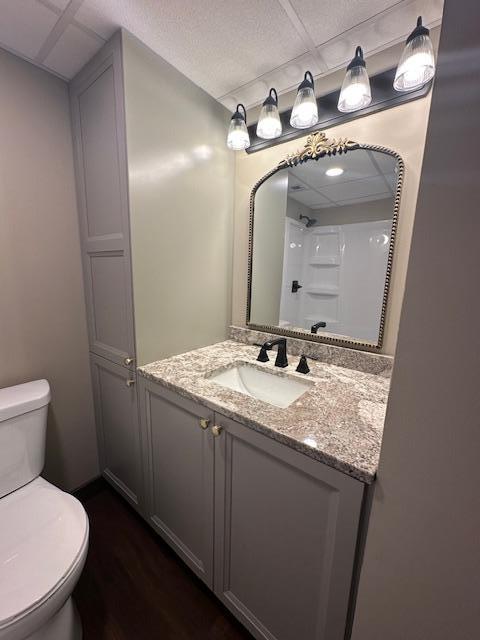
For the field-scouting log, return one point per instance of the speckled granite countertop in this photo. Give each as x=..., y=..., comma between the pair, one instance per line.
x=338, y=421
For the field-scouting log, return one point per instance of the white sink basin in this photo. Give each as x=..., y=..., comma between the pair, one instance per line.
x=272, y=388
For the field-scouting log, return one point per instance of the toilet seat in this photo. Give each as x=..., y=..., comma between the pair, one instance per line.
x=43, y=546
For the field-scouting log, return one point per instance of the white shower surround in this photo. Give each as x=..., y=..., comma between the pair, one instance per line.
x=324, y=259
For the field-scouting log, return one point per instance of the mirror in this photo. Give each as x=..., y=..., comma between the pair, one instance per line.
x=322, y=232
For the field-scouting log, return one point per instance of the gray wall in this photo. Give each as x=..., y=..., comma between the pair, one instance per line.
x=354, y=213
x=421, y=574
x=42, y=318
x=295, y=209
x=181, y=205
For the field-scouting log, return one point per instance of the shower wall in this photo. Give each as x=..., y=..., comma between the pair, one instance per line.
x=324, y=260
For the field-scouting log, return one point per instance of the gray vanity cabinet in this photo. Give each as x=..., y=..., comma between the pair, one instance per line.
x=116, y=414
x=98, y=119
x=271, y=531
x=286, y=532
x=179, y=449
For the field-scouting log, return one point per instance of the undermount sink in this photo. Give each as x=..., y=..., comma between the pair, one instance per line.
x=275, y=389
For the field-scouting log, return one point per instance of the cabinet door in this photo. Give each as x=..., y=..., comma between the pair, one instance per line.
x=98, y=118
x=286, y=532
x=116, y=412
x=179, y=445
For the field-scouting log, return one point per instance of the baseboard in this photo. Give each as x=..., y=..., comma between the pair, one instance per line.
x=90, y=489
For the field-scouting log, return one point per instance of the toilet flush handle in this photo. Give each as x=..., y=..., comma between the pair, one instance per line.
x=129, y=382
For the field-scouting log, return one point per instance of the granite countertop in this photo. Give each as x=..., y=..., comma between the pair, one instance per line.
x=338, y=420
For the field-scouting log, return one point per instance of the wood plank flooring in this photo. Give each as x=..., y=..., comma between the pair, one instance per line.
x=134, y=587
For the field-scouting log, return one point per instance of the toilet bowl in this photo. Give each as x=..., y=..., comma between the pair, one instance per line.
x=43, y=530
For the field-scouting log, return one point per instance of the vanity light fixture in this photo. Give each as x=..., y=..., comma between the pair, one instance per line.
x=305, y=110
x=355, y=93
x=238, y=137
x=333, y=172
x=269, y=125
x=417, y=63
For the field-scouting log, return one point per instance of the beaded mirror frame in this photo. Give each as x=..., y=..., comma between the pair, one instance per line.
x=316, y=147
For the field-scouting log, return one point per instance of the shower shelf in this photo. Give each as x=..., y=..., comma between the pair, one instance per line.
x=326, y=261
x=322, y=291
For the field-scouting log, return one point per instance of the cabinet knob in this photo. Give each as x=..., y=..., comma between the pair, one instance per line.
x=204, y=423
x=128, y=361
x=129, y=383
x=216, y=430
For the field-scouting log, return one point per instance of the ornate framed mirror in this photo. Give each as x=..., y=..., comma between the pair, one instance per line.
x=322, y=236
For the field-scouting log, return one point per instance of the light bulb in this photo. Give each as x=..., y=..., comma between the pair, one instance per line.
x=355, y=93
x=238, y=137
x=333, y=172
x=417, y=63
x=269, y=125
x=305, y=110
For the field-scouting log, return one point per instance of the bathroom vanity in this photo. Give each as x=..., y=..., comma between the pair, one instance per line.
x=266, y=504
x=258, y=476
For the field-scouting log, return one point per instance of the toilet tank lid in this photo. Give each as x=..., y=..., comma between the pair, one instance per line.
x=14, y=401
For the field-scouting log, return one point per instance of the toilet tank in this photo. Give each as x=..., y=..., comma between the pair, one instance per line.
x=23, y=427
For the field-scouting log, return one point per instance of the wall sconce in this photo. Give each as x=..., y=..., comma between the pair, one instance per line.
x=238, y=137
x=269, y=125
x=305, y=110
x=355, y=93
x=417, y=63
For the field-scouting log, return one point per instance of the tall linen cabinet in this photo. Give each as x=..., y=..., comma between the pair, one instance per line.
x=121, y=115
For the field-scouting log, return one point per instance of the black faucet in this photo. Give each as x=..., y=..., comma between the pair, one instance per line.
x=281, y=359
x=315, y=327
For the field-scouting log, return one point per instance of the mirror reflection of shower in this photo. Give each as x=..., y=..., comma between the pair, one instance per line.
x=310, y=222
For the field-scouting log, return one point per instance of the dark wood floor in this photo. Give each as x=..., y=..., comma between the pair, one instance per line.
x=134, y=587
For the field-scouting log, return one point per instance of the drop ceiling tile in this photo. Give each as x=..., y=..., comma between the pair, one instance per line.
x=60, y=4
x=72, y=51
x=355, y=189
x=356, y=165
x=101, y=22
x=219, y=45
x=25, y=28
x=380, y=31
x=370, y=198
x=324, y=22
x=310, y=198
x=284, y=79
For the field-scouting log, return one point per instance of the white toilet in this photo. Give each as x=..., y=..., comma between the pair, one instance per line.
x=43, y=531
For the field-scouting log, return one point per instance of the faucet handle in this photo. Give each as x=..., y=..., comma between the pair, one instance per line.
x=263, y=355
x=303, y=365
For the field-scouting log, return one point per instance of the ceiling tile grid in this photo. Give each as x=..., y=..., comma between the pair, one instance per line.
x=25, y=25
x=233, y=50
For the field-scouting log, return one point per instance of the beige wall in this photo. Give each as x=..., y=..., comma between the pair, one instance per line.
x=401, y=129
x=42, y=316
x=181, y=206
x=421, y=571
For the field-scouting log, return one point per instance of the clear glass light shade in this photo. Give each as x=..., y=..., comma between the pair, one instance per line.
x=269, y=125
x=238, y=137
x=355, y=93
x=416, y=66
x=305, y=111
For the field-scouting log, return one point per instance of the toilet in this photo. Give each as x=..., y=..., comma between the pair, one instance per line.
x=43, y=530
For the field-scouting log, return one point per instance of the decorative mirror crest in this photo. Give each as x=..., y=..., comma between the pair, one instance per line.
x=322, y=236
x=317, y=146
